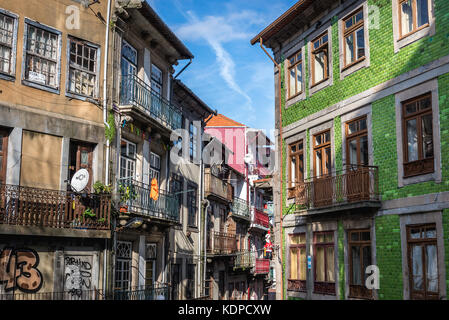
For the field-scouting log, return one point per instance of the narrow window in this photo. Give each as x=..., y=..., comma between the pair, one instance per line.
x=7, y=37
x=193, y=134
x=155, y=167
x=295, y=75
x=413, y=16
x=3, y=155
x=127, y=160
x=190, y=288
x=298, y=263
x=83, y=68
x=296, y=166
x=176, y=188
x=423, y=262
x=359, y=243
x=123, y=265
x=150, y=264
x=357, y=142
x=354, y=39
x=418, y=136
x=322, y=151
x=324, y=263
x=191, y=204
x=41, y=57
x=320, y=59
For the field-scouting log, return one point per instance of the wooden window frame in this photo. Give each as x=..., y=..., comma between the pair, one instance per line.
x=128, y=158
x=4, y=154
x=424, y=242
x=414, y=17
x=11, y=74
x=352, y=30
x=301, y=286
x=361, y=243
x=417, y=115
x=322, y=146
x=357, y=135
x=294, y=66
x=192, y=205
x=329, y=286
x=322, y=47
x=296, y=155
x=80, y=68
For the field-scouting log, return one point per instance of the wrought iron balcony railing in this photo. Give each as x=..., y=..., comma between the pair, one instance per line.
x=216, y=186
x=240, y=209
x=221, y=243
x=26, y=206
x=157, y=292
x=136, y=197
x=243, y=260
x=136, y=92
x=354, y=184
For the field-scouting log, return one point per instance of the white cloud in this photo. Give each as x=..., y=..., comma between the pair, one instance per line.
x=216, y=31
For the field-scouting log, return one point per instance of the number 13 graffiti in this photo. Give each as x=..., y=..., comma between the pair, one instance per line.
x=18, y=269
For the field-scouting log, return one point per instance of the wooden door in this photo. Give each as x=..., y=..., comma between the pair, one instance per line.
x=323, y=183
x=84, y=161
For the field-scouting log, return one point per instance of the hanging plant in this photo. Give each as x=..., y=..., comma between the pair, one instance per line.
x=109, y=133
x=88, y=213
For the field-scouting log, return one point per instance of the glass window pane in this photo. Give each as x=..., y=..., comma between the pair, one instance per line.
x=353, y=151
x=318, y=162
x=294, y=263
x=319, y=66
x=123, y=148
x=349, y=48
x=320, y=272
x=424, y=103
x=360, y=35
x=355, y=236
x=302, y=238
x=330, y=264
x=328, y=161
x=417, y=267
x=364, y=151
x=131, y=150
x=412, y=140
x=359, y=16
x=327, y=136
x=365, y=236
x=329, y=237
x=302, y=264
x=431, y=233
x=299, y=78
x=362, y=124
x=1, y=142
x=356, y=267
x=316, y=44
x=427, y=136
x=84, y=158
x=292, y=82
x=415, y=233
x=348, y=23
x=410, y=108
x=423, y=12
x=318, y=140
x=294, y=239
x=320, y=238
x=432, y=268
x=406, y=17
x=293, y=171
x=325, y=39
x=366, y=260
x=352, y=127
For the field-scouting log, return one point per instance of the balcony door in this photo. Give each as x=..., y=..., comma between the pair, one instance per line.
x=127, y=160
x=3, y=155
x=323, y=186
x=128, y=70
x=357, y=171
x=156, y=88
x=81, y=155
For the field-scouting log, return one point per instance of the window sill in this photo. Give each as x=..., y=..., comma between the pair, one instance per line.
x=410, y=38
x=82, y=98
x=7, y=77
x=320, y=85
x=40, y=86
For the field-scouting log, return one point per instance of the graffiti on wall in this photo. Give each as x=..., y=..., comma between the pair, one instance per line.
x=18, y=270
x=77, y=274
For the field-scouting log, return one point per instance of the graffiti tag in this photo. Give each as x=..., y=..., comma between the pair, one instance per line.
x=77, y=275
x=18, y=269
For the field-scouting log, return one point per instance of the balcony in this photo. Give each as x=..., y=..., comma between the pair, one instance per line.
x=135, y=196
x=33, y=207
x=354, y=188
x=138, y=99
x=243, y=260
x=159, y=292
x=221, y=243
x=262, y=266
x=214, y=186
x=260, y=220
x=240, y=209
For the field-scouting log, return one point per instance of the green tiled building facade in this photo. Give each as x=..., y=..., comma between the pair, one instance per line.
x=365, y=140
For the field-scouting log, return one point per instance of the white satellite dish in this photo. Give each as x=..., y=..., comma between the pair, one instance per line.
x=80, y=180
x=248, y=158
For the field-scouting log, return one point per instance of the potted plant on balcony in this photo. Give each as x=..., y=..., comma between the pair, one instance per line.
x=88, y=213
x=101, y=188
x=126, y=193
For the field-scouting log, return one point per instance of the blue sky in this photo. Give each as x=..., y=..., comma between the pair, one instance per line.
x=227, y=73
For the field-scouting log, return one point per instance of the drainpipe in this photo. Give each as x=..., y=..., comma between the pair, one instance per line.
x=204, y=245
x=280, y=169
x=105, y=101
x=200, y=202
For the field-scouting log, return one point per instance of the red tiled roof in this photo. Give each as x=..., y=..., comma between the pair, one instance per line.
x=222, y=121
